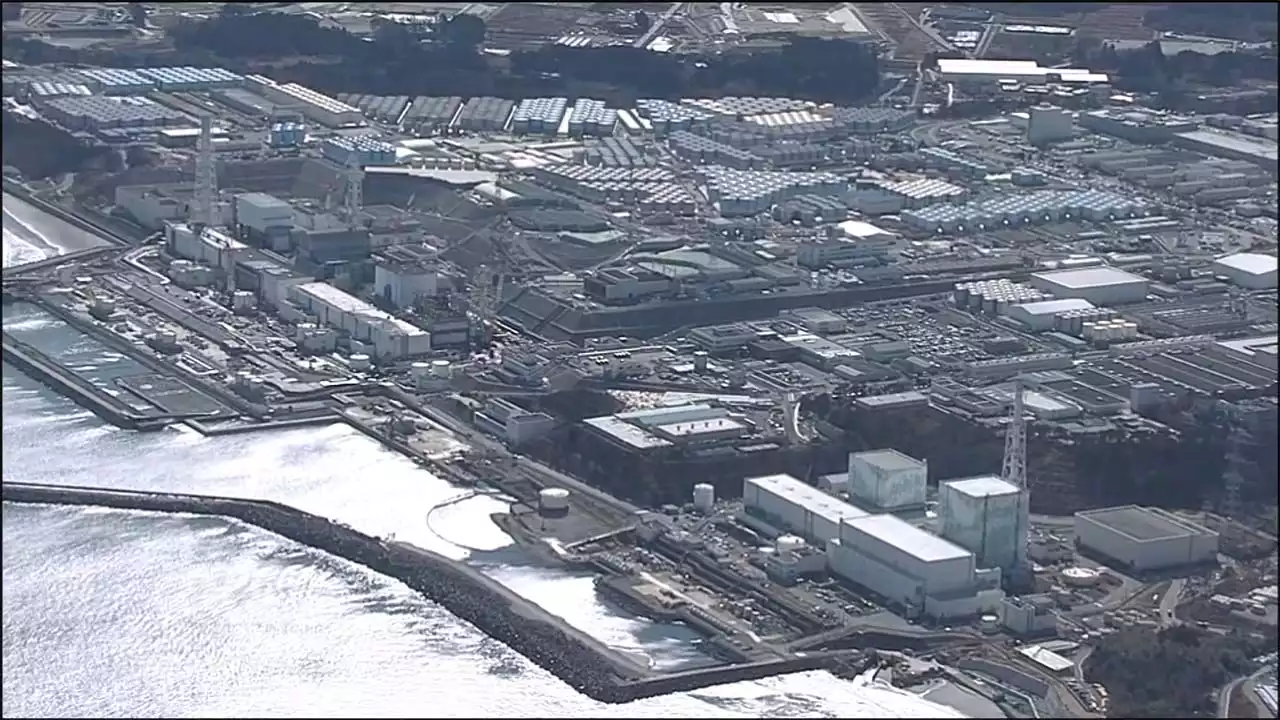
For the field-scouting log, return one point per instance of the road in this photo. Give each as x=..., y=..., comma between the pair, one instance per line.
x=928, y=31
x=657, y=26
x=1169, y=603
x=1224, y=698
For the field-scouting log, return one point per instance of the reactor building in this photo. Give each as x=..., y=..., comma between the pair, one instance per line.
x=983, y=515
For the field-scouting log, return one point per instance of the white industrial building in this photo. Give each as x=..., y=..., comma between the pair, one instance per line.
x=653, y=428
x=213, y=247
x=1029, y=615
x=1254, y=271
x=317, y=106
x=984, y=515
x=912, y=567
x=1098, y=285
x=389, y=337
x=1048, y=124
x=887, y=480
x=1144, y=538
x=1043, y=315
x=514, y=424
x=963, y=69
x=792, y=505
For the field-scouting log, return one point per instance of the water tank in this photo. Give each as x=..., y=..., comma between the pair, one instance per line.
x=441, y=368
x=553, y=501
x=788, y=545
x=359, y=361
x=990, y=623
x=700, y=360
x=166, y=338
x=420, y=370
x=102, y=308
x=1080, y=576
x=704, y=497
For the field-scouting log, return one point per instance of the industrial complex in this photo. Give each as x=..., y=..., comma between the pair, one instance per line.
x=835, y=387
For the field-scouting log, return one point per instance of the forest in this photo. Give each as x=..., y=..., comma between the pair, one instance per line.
x=1170, y=674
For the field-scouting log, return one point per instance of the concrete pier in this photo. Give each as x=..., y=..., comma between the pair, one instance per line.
x=575, y=657
x=41, y=367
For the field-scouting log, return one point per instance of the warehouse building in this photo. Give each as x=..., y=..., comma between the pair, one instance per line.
x=1029, y=71
x=1044, y=314
x=912, y=568
x=984, y=515
x=387, y=337
x=792, y=505
x=325, y=110
x=1098, y=285
x=652, y=428
x=1144, y=538
x=1232, y=145
x=1253, y=271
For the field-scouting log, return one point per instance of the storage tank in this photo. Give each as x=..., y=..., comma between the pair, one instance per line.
x=990, y=624
x=102, y=308
x=441, y=368
x=359, y=361
x=788, y=545
x=704, y=497
x=700, y=360
x=553, y=502
x=960, y=296
x=1080, y=577
x=420, y=370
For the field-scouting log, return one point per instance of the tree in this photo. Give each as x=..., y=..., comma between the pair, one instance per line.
x=138, y=14
x=463, y=31
x=642, y=21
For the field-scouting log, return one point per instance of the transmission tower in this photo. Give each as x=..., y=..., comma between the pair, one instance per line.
x=1014, y=468
x=354, y=200
x=204, y=198
x=1232, y=477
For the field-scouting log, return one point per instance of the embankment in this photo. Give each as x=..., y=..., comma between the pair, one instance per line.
x=548, y=641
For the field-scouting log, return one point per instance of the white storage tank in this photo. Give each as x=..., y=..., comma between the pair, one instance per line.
x=102, y=308
x=704, y=497
x=1080, y=577
x=553, y=502
x=789, y=545
x=420, y=370
x=990, y=624
x=359, y=361
x=441, y=368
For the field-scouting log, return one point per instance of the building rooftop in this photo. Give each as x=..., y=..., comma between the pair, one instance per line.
x=1053, y=307
x=983, y=486
x=1251, y=263
x=1139, y=523
x=920, y=544
x=888, y=459
x=860, y=230
x=800, y=493
x=1088, y=277
x=1235, y=142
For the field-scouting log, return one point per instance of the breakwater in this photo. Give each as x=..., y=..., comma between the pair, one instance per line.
x=548, y=641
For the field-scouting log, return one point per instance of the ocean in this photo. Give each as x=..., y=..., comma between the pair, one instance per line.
x=122, y=614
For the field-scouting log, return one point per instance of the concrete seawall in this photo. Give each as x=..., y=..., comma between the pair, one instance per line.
x=576, y=658
x=23, y=193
